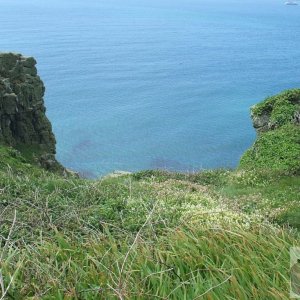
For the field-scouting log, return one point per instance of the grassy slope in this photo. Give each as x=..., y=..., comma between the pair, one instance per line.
x=145, y=236
x=278, y=148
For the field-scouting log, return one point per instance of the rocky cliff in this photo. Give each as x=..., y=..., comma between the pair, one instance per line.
x=277, y=111
x=23, y=123
x=277, y=122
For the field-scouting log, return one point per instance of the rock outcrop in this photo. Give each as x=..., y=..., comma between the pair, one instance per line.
x=23, y=123
x=277, y=111
x=277, y=122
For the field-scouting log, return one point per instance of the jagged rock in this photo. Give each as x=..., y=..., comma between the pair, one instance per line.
x=261, y=123
x=23, y=123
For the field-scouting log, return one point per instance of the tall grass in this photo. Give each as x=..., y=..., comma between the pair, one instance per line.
x=152, y=235
x=187, y=262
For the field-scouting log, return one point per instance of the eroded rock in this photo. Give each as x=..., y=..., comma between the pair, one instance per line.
x=23, y=123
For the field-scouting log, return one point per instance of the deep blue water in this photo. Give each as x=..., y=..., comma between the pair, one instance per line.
x=138, y=84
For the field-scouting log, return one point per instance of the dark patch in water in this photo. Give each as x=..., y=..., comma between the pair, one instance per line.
x=82, y=146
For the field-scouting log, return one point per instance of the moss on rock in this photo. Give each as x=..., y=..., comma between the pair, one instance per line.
x=277, y=146
x=277, y=111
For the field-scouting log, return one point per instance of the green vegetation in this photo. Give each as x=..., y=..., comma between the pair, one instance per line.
x=276, y=150
x=278, y=144
x=153, y=234
x=30, y=152
x=281, y=107
x=218, y=234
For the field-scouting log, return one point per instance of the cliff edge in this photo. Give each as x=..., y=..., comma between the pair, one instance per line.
x=23, y=123
x=277, y=123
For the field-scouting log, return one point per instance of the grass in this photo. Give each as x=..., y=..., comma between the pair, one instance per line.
x=219, y=234
x=183, y=263
x=281, y=107
x=277, y=146
x=276, y=150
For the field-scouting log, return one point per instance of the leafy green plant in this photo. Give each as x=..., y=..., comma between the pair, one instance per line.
x=281, y=107
x=275, y=150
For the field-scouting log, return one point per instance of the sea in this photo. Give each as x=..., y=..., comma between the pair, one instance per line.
x=154, y=84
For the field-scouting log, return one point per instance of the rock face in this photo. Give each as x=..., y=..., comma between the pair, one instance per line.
x=23, y=123
x=277, y=111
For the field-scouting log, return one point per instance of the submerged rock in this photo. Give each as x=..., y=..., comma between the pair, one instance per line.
x=23, y=123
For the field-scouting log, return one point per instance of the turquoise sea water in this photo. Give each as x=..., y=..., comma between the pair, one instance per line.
x=138, y=84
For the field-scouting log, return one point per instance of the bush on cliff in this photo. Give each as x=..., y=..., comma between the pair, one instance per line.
x=281, y=109
x=277, y=147
x=277, y=150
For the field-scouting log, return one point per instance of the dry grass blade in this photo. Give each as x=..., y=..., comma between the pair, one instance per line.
x=5, y=290
x=212, y=288
x=134, y=242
